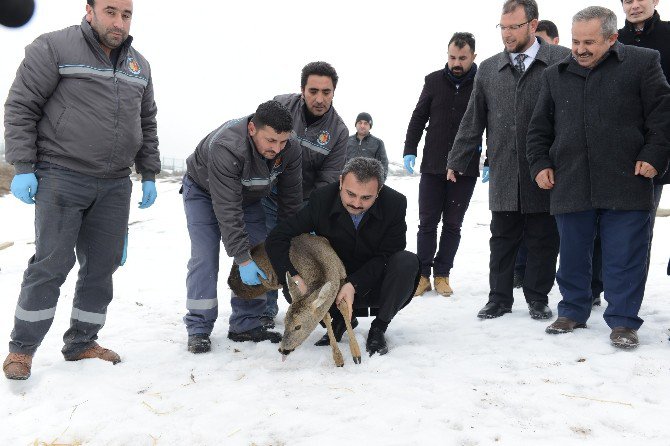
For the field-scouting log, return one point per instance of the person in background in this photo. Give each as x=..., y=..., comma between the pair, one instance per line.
x=443, y=101
x=322, y=136
x=363, y=143
x=502, y=103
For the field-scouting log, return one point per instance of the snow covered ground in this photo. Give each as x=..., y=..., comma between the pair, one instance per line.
x=448, y=379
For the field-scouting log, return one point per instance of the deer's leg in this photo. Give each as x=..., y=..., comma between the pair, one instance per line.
x=337, y=354
x=353, y=343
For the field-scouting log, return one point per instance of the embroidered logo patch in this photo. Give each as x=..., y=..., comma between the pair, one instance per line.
x=278, y=161
x=133, y=66
x=323, y=138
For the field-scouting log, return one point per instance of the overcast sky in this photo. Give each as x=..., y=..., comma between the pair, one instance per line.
x=216, y=60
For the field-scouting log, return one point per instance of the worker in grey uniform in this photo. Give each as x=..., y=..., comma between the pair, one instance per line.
x=229, y=173
x=322, y=136
x=79, y=114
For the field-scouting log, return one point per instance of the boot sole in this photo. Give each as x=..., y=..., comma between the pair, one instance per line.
x=562, y=331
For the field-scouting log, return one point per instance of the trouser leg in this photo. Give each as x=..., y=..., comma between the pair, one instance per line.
x=246, y=313
x=99, y=249
x=577, y=231
x=506, y=233
x=270, y=208
x=432, y=195
x=59, y=206
x=625, y=240
x=398, y=284
x=521, y=260
x=203, y=267
x=541, y=237
x=597, y=265
x=453, y=211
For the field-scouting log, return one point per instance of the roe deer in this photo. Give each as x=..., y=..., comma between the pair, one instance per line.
x=323, y=273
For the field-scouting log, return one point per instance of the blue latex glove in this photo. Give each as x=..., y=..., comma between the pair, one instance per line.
x=149, y=194
x=485, y=174
x=409, y=163
x=250, y=272
x=24, y=187
x=124, y=256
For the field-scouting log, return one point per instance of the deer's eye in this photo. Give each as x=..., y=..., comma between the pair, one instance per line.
x=297, y=327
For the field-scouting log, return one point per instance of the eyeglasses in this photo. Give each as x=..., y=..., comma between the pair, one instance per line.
x=512, y=27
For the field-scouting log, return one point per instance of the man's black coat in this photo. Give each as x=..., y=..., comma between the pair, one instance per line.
x=363, y=251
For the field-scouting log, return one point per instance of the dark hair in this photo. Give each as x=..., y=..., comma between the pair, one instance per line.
x=91, y=3
x=462, y=39
x=365, y=169
x=529, y=7
x=319, y=69
x=548, y=27
x=275, y=115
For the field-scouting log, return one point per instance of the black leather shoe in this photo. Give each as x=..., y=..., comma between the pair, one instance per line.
x=492, y=310
x=339, y=327
x=199, y=343
x=268, y=322
x=518, y=280
x=376, y=342
x=539, y=310
x=257, y=334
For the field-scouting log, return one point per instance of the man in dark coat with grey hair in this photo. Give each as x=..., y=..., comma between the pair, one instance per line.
x=502, y=102
x=597, y=138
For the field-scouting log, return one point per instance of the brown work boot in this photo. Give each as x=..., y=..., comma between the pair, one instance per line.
x=622, y=337
x=442, y=286
x=95, y=351
x=563, y=325
x=423, y=286
x=17, y=366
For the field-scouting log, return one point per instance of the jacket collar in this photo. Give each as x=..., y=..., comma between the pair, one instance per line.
x=617, y=50
x=649, y=24
x=92, y=38
x=469, y=76
x=374, y=211
x=303, y=108
x=542, y=56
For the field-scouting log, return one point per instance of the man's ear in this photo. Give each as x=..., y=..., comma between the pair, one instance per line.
x=252, y=128
x=89, y=13
x=340, y=182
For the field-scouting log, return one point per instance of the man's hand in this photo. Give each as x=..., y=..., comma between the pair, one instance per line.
x=249, y=273
x=408, y=161
x=645, y=169
x=149, y=194
x=545, y=179
x=346, y=294
x=302, y=286
x=451, y=175
x=24, y=187
x=485, y=174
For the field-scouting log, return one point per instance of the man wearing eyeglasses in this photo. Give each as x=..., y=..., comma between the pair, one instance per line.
x=505, y=92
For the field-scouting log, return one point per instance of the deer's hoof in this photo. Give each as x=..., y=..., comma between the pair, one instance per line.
x=357, y=359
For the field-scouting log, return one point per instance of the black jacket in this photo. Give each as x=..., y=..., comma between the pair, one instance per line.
x=363, y=251
x=443, y=104
x=656, y=36
x=591, y=126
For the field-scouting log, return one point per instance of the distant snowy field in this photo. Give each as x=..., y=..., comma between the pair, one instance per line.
x=448, y=379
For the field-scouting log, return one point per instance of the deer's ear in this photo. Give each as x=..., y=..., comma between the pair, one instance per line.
x=325, y=294
x=293, y=289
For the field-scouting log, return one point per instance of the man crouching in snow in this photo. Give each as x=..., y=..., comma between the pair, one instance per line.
x=365, y=224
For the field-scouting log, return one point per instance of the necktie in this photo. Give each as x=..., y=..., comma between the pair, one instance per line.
x=520, y=65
